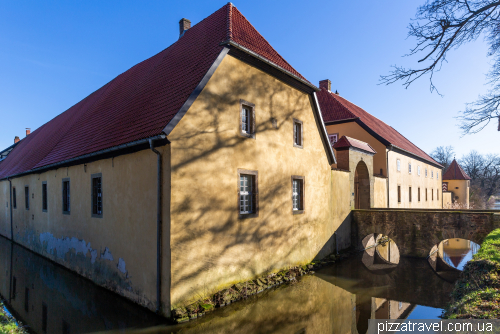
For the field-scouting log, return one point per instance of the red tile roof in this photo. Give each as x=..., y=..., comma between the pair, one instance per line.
x=455, y=172
x=345, y=142
x=336, y=108
x=140, y=102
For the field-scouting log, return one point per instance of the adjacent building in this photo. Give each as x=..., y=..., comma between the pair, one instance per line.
x=402, y=175
x=456, y=185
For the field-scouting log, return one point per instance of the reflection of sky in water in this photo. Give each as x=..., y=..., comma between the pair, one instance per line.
x=457, y=252
x=425, y=312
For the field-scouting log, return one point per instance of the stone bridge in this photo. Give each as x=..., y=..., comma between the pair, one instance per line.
x=416, y=231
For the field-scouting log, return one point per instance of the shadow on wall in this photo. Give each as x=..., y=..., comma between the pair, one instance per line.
x=209, y=240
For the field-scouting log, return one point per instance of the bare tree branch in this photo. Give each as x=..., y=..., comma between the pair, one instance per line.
x=442, y=25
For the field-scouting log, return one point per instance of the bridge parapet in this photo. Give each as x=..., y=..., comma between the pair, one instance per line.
x=415, y=232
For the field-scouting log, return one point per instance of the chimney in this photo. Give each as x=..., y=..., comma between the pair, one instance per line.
x=16, y=139
x=28, y=131
x=184, y=25
x=326, y=84
x=337, y=92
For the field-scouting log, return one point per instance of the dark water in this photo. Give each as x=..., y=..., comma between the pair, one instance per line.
x=337, y=299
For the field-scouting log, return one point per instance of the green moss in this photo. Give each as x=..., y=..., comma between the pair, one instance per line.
x=477, y=292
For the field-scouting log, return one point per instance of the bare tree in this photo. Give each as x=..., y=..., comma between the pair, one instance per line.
x=443, y=155
x=485, y=174
x=444, y=25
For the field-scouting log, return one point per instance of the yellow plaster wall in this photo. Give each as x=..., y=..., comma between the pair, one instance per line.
x=340, y=209
x=5, y=208
x=447, y=200
x=404, y=179
x=462, y=192
x=78, y=241
x=380, y=192
x=211, y=247
x=352, y=129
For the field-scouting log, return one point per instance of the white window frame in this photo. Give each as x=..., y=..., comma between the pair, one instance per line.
x=298, y=194
x=418, y=170
x=432, y=174
x=409, y=168
x=426, y=172
x=398, y=165
x=247, y=119
x=248, y=193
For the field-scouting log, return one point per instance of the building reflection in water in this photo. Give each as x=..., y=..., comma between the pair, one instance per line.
x=338, y=299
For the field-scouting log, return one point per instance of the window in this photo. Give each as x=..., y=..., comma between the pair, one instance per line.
x=333, y=138
x=297, y=194
x=44, y=196
x=381, y=171
x=399, y=165
x=66, y=196
x=432, y=174
x=418, y=194
x=400, y=306
x=437, y=175
x=418, y=170
x=437, y=194
x=426, y=194
x=409, y=194
x=399, y=193
x=426, y=172
x=44, y=317
x=27, y=197
x=247, y=119
x=14, y=198
x=247, y=193
x=409, y=168
x=432, y=194
x=27, y=299
x=97, y=195
x=298, y=140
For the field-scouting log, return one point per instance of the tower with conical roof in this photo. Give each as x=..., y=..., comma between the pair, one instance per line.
x=456, y=182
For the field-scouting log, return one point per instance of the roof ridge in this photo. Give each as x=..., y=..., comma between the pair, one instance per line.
x=229, y=21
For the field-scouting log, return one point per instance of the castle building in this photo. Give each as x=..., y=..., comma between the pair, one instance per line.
x=456, y=185
x=401, y=175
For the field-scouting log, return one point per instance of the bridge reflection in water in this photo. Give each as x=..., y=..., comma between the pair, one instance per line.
x=337, y=299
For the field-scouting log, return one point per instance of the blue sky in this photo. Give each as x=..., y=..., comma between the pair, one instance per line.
x=53, y=54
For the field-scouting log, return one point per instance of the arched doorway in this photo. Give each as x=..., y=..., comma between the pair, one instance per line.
x=361, y=187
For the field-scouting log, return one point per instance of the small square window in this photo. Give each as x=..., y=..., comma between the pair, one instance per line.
x=66, y=196
x=44, y=196
x=97, y=195
x=297, y=194
x=399, y=165
x=298, y=140
x=247, y=193
x=27, y=197
x=334, y=137
x=247, y=119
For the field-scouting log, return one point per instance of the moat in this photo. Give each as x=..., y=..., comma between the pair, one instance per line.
x=339, y=298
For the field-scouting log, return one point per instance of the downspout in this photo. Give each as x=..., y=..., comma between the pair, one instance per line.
x=387, y=169
x=11, y=223
x=158, y=228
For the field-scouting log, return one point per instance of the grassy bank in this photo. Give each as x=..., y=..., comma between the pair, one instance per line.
x=477, y=291
x=7, y=324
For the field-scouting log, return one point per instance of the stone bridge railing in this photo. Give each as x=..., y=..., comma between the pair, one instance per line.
x=416, y=231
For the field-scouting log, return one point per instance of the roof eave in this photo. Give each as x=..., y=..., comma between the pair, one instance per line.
x=416, y=155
